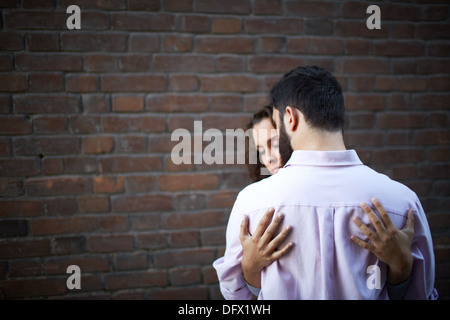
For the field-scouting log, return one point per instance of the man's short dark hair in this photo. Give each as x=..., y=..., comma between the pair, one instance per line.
x=316, y=93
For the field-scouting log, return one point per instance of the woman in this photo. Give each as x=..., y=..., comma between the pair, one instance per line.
x=261, y=249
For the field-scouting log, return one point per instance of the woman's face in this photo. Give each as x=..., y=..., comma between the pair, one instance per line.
x=265, y=137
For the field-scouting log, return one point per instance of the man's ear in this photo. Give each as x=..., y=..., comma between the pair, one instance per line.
x=292, y=118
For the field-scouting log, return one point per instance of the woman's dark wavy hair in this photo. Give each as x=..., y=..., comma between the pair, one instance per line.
x=254, y=169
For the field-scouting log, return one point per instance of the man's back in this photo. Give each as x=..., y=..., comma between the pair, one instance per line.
x=319, y=194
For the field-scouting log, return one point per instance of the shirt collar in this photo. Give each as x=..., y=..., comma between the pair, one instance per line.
x=324, y=158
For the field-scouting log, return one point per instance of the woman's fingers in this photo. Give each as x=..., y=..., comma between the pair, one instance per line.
x=409, y=227
x=379, y=227
x=244, y=233
x=269, y=233
x=279, y=253
x=365, y=229
x=363, y=244
x=278, y=240
x=263, y=223
x=383, y=213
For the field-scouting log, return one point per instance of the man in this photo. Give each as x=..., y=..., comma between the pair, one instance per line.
x=319, y=191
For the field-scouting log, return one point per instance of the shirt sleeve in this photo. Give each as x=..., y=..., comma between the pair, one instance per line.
x=228, y=267
x=421, y=284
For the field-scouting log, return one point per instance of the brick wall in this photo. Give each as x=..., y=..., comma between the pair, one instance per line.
x=86, y=118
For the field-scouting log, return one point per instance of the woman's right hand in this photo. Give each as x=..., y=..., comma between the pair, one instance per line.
x=261, y=248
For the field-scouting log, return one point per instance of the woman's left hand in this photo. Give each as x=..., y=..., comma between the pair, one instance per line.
x=391, y=245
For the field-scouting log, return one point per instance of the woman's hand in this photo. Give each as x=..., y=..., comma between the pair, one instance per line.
x=390, y=245
x=261, y=248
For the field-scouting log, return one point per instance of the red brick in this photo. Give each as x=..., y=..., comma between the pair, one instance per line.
x=45, y=82
x=178, y=5
x=143, y=21
x=85, y=123
x=217, y=6
x=48, y=226
x=141, y=183
x=133, y=83
x=24, y=248
x=90, y=263
x=110, y=243
x=129, y=164
x=32, y=20
x=188, y=182
x=10, y=41
x=94, y=204
x=128, y=103
x=97, y=145
x=42, y=42
x=100, y=62
x=11, y=167
x=130, y=144
x=134, y=63
x=184, y=276
x=34, y=287
x=231, y=83
x=400, y=155
x=183, y=63
x=60, y=207
x=102, y=41
x=432, y=137
x=147, y=5
x=129, y=124
x=225, y=44
x=31, y=104
x=50, y=124
x=11, y=188
x=33, y=146
x=80, y=164
x=112, y=223
x=226, y=103
x=177, y=43
x=313, y=8
x=142, y=203
x=140, y=279
x=13, y=82
x=15, y=125
x=94, y=103
x=58, y=186
x=108, y=184
x=267, y=7
x=230, y=64
x=315, y=46
x=226, y=25
x=402, y=120
x=152, y=241
x=182, y=82
x=194, y=23
x=81, y=83
x=265, y=25
x=48, y=62
x=193, y=220
x=144, y=43
x=364, y=102
x=401, y=84
x=184, y=239
x=130, y=261
x=177, y=103
x=266, y=64
x=172, y=258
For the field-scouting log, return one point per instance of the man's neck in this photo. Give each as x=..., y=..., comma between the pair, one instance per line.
x=315, y=140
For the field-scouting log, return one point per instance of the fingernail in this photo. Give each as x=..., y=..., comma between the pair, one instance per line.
x=280, y=215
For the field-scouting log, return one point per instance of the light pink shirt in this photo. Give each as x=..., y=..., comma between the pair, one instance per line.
x=319, y=193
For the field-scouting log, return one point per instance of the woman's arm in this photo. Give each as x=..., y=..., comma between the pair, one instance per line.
x=261, y=248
